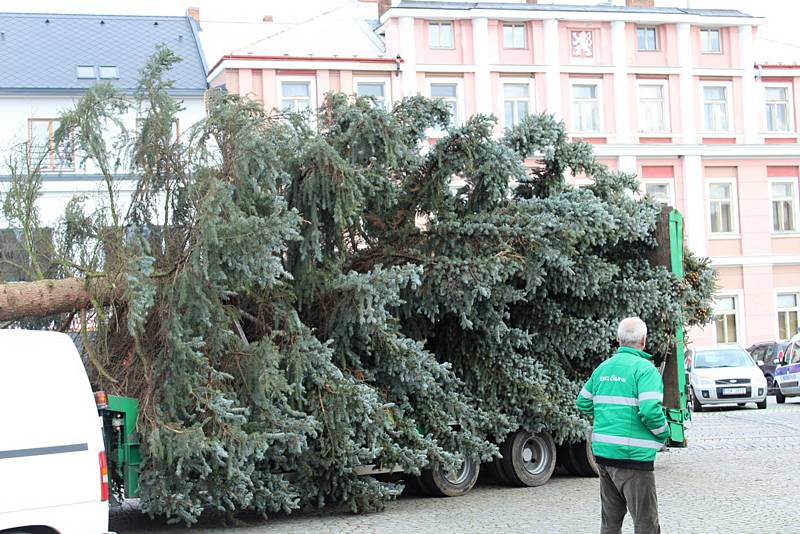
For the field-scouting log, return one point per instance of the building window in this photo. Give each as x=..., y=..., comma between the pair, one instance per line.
x=375, y=89
x=42, y=151
x=784, y=206
x=295, y=96
x=514, y=36
x=788, y=312
x=108, y=72
x=715, y=108
x=725, y=315
x=720, y=207
x=586, y=107
x=440, y=34
x=448, y=93
x=652, y=107
x=647, y=38
x=661, y=192
x=86, y=72
x=777, y=106
x=711, y=41
x=516, y=103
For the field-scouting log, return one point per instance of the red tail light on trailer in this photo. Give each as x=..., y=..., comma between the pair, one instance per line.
x=101, y=400
x=103, y=477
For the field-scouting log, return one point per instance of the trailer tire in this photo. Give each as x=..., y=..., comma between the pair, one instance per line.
x=494, y=470
x=565, y=460
x=582, y=457
x=528, y=459
x=439, y=483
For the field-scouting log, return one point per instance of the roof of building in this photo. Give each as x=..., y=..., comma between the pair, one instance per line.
x=599, y=7
x=338, y=32
x=42, y=52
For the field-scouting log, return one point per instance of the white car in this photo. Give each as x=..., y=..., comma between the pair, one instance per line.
x=724, y=375
x=53, y=473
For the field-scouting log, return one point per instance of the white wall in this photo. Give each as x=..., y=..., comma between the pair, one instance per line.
x=60, y=187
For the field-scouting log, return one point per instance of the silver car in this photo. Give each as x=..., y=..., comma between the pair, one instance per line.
x=724, y=375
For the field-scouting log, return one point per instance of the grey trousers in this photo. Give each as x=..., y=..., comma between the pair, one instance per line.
x=628, y=490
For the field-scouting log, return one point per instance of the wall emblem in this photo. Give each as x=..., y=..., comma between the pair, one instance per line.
x=582, y=43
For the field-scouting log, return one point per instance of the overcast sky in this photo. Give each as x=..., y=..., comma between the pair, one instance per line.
x=780, y=24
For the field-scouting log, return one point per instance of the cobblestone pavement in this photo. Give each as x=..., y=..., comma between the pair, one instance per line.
x=735, y=477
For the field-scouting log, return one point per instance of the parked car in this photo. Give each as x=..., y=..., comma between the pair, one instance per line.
x=724, y=375
x=53, y=473
x=768, y=356
x=787, y=374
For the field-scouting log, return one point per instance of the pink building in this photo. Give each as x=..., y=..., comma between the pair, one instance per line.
x=673, y=95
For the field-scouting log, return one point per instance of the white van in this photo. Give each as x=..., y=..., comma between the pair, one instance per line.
x=53, y=475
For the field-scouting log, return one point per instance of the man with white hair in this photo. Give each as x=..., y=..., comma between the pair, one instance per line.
x=624, y=395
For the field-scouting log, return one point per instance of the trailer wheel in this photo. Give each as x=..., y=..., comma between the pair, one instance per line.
x=565, y=460
x=583, y=459
x=440, y=482
x=494, y=470
x=528, y=459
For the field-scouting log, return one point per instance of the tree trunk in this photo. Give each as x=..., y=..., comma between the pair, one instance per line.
x=46, y=297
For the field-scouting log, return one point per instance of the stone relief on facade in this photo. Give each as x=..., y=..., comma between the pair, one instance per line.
x=582, y=43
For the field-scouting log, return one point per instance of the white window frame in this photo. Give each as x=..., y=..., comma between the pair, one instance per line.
x=721, y=44
x=517, y=81
x=387, y=87
x=789, y=108
x=734, y=233
x=312, y=90
x=452, y=34
x=670, y=183
x=784, y=291
x=795, y=207
x=665, y=96
x=460, y=109
x=515, y=26
x=728, y=107
x=600, y=115
x=648, y=27
x=738, y=307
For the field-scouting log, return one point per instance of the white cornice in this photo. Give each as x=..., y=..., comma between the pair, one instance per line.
x=722, y=151
x=735, y=261
x=588, y=16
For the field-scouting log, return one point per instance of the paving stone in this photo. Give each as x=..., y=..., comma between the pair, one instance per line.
x=735, y=477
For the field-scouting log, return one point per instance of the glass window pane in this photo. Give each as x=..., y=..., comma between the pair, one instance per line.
x=508, y=36
x=730, y=327
x=446, y=33
x=443, y=90
x=433, y=34
x=787, y=301
x=375, y=89
x=508, y=114
x=720, y=327
x=651, y=91
x=519, y=37
x=522, y=109
x=584, y=91
x=720, y=191
x=714, y=93
x=40, y=132
x=515, y=90
x=723, y=304
x=86, y=71
x=299, y=89
x=776, y=93
x=108, y=72
x=781, y=190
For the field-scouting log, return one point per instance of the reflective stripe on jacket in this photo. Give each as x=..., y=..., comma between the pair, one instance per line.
x=625, y=396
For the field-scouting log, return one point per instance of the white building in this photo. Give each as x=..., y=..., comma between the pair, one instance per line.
x=50, y=62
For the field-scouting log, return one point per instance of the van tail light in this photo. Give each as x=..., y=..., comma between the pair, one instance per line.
x=103, y=477
x=101, y=400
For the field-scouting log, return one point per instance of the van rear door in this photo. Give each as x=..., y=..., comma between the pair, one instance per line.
x=50, y=432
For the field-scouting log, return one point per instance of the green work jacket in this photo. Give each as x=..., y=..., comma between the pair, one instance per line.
x=625, y=394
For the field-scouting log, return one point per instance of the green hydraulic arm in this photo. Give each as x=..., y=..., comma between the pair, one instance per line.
x=122, y=445
x=674, y=374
